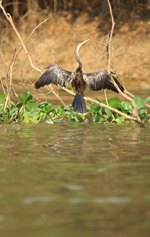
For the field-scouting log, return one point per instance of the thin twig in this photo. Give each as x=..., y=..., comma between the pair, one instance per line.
x=109, y=69
x=9, y=18
x=53, y=56
x=103, y=105
x=110, y=37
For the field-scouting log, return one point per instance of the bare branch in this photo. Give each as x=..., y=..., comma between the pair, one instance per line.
x=110, y=37
x=9, y=18
x=109, y=69
x=53, y=56
x=107, y=107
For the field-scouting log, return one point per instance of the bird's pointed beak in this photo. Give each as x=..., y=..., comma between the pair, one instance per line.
x=79, y=45
x=85, y=41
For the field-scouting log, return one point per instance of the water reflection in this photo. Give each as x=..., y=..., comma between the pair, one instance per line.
x=84, y=141
x=101, y=200
x=2, y=169
x=45, y=170
x=75, y=187
x=31, y=200
x=2, y=218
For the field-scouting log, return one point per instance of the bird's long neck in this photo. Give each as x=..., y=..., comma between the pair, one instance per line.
x=77, y=57
x=76, y=54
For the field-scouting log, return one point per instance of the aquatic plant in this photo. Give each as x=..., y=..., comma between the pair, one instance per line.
x=27, y=111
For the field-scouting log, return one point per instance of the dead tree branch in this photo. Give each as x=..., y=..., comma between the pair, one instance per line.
x=105, y=106
x=9, y=18
x=109, y=70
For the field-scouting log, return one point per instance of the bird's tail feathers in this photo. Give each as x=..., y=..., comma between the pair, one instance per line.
x=78, y=104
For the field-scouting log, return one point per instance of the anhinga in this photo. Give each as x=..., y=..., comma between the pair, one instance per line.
x=79, y=80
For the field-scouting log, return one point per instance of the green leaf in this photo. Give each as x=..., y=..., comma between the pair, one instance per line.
x=49, y=107
x=143, y=111
x=115, y=103
x=2, y=98
x=2, y=109
x=140, y=103
x=99, y=100
x=73, y=120
x=127, y=106
x=89, y=117
x=108, y=112
x=99, y=118
x=14, y=111
x=26, y=97
x=80, y=117
x=30, y=117
x=30, y=105
x=119, y=120
x=147, y=99
x=60, y=110
x=95, y=108
x=13, y=104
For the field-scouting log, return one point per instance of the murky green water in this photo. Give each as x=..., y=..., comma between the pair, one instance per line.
x=74, y=180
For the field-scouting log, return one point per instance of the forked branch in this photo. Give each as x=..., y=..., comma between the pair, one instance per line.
x=9, y=18
x=137, y=119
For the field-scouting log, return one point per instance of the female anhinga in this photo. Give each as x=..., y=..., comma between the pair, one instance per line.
x=79, y=80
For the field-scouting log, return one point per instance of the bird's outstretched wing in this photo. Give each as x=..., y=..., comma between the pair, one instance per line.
x=101, y=80
x=55, y=75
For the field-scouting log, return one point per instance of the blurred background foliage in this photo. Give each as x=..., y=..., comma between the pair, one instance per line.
x=122, y=9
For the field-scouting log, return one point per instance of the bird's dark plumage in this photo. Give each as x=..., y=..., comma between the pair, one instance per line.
x=78, y=104
x=101, y=80
x=79, y=79
x=55, y=75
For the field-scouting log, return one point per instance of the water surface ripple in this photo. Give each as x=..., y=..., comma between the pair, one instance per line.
x=74, y=180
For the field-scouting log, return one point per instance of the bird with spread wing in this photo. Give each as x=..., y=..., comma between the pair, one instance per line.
x=79, y=80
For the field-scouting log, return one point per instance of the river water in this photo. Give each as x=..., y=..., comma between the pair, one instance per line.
x=71, y=179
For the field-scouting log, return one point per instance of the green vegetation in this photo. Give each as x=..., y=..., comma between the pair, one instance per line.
x=29, y=112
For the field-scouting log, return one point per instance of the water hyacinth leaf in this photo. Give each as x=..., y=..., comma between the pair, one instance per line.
x=95, y=108
x=14, y=111
x=73, y=120
x=41, y=104
x=25, y=97
x=19, y=105
x=89, y=117
x=98, y=100
x=1, y=107
x=147, y=99
x=140, y=103
x=108, y=112
x=2, y=98
x=30, y=116
x=119, y=120
x=99, y=118
x=30, y=105
x=60, y=110
x=49, y=107
x=13, y=104
x=127, y=106
x=72, y=114
x=142, y=111
x=115, y=103
x=80, y=117
x=2, y=112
